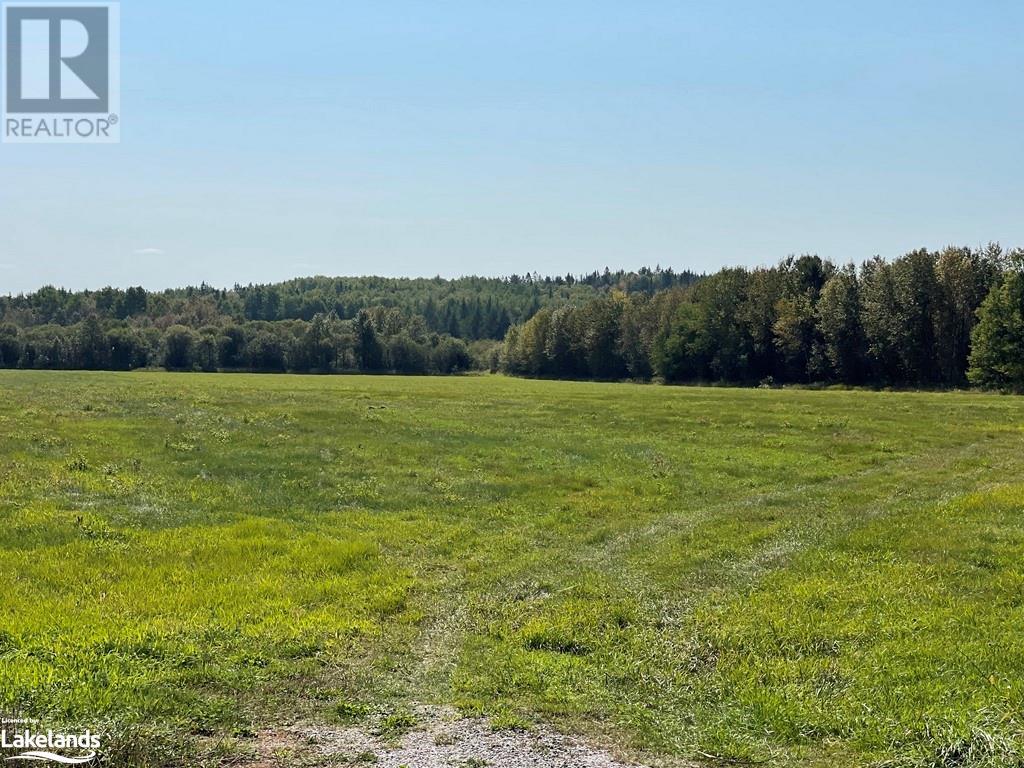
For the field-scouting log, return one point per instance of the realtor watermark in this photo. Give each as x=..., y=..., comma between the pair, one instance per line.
x=62, y=72
x=33, y=746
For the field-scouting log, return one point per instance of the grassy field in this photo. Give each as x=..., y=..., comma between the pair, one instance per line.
x=790, y=577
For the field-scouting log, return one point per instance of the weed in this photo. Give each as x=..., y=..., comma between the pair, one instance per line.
x=396, y=724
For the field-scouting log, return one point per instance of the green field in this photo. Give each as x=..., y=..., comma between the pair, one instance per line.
x=790, y=577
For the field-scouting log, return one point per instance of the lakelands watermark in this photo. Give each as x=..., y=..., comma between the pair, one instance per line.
x=62, y=72
x=48, y=747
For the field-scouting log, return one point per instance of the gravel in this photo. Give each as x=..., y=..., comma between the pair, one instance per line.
x=440, y=739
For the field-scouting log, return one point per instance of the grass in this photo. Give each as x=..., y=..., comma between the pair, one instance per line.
x=749, y=576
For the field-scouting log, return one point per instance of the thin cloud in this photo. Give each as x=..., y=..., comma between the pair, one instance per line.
x=149, y=252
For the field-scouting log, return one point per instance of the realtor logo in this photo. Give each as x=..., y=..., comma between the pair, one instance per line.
x=61, y=77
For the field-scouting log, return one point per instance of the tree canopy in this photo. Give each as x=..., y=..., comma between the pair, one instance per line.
x=925, y=319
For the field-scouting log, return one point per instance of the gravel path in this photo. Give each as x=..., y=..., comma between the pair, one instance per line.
x=441, y=740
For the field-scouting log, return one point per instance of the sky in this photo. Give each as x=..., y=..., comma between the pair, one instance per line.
x=268, y=140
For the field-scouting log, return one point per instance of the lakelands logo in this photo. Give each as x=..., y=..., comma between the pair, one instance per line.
x=62, y=72
x=49, y=747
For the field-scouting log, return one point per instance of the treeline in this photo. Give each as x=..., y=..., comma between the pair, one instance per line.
x=926, y=319
x=946, y=318
x=469, y=308
x=376, y=341
x=329, y=325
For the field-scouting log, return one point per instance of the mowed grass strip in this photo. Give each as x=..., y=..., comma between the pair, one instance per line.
x=706, y=574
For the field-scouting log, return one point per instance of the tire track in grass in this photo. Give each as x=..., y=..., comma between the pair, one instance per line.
x=816, y=513
x=626, y=557
x=905, y=473
x=918, y=481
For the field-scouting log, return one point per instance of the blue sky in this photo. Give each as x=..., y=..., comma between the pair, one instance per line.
x=266, y=140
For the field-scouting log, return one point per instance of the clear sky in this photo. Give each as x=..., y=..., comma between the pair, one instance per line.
x=266, y=140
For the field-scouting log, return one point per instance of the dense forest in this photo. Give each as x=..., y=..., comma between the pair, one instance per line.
x=927, y=319
x=312, y=324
